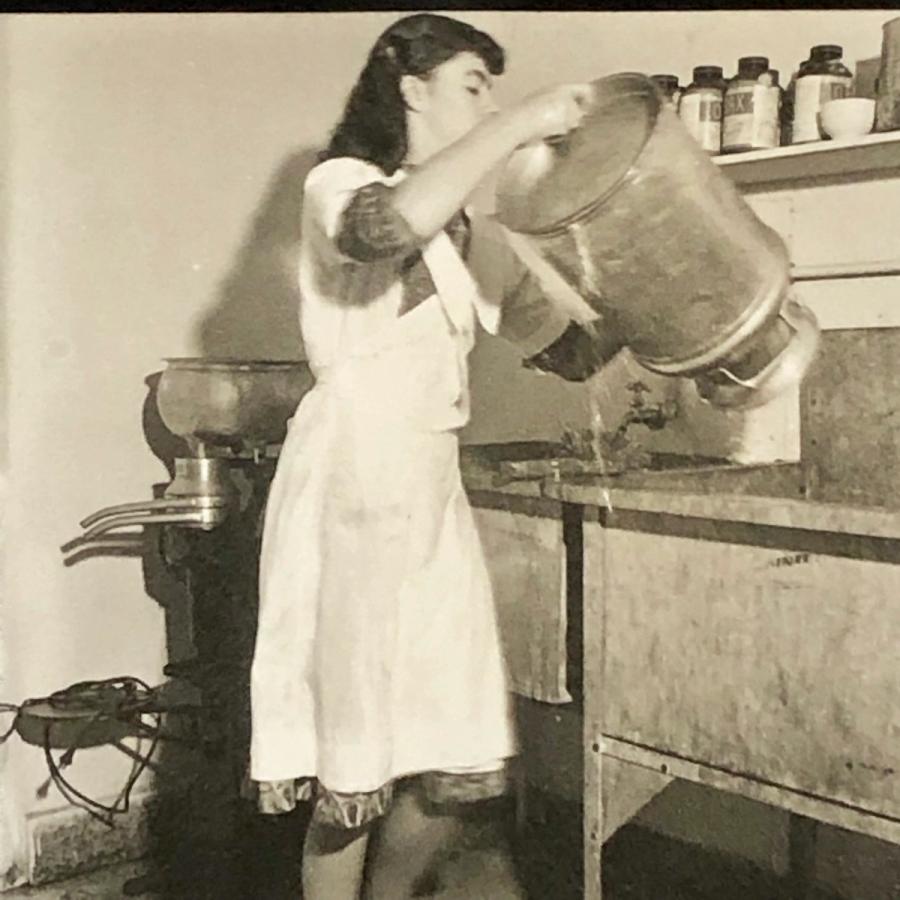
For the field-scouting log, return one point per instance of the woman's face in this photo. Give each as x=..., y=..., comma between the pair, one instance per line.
x=457, y=95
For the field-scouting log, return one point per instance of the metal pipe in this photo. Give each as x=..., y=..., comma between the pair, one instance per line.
x=148, y=505
x=846, y=270
x=197, y=517
x=125, y=521
x=113, y=542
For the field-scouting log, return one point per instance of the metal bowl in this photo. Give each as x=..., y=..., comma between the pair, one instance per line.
x=231, y=401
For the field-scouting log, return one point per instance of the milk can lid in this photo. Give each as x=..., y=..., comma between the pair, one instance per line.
x=548, y=184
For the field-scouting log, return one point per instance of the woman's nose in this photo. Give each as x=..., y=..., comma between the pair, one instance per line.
x=489, y=104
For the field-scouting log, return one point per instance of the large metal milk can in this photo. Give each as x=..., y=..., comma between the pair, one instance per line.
x=636, y=218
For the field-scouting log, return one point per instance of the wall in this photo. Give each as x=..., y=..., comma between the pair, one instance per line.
x=142, y=154
x=152, y=174
x=12, y=845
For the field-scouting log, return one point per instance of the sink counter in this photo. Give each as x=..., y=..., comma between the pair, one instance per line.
x=746, y=506
x=770, y=494
x=481, y=472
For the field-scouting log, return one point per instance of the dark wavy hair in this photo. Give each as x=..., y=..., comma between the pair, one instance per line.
x=373, y=126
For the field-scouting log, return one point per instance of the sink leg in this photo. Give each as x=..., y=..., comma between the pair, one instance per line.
x=593, y=551
x=520, y=789
x=801, y=856
x=593, y=824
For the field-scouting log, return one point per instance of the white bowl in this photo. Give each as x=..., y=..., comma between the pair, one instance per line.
x=848, y=117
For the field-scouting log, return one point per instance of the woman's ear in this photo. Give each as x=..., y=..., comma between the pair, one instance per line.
x=413, y=91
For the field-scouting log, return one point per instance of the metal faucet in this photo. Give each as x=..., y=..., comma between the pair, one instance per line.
x=197, y=512
x=652, y=415
x=201, y=495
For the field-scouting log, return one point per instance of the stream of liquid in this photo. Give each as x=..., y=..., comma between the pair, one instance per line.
x=610, y=447
x=598, y=426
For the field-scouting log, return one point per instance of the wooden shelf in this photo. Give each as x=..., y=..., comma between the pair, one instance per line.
x=865, y=157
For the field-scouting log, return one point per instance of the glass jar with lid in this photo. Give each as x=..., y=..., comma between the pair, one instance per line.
x=669, y=88
x=750, y=117
x=701, y=107
x=820, y=78
x=787, y=111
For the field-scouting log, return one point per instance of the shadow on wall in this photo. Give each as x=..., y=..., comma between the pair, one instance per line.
x=255, y=313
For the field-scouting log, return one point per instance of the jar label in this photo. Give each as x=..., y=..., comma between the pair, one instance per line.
x=811, y=92
x=738, y=103
x=710, y=110
x=751, y=118
x=703, y=117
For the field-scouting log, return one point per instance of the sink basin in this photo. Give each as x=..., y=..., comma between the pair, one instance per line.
x=666, y=462
x=525, y=460
x=546, y=463
x=511, y=451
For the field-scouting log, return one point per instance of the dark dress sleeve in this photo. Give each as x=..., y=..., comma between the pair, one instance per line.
x=371, y=229
x=579, y=352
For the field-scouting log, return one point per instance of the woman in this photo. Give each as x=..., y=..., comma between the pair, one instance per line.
x=378, y=686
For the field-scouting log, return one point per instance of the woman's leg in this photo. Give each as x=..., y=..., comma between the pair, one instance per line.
x=407, y=842
x=333, y=861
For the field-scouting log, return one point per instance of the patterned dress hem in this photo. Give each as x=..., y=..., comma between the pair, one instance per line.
x=358, y=809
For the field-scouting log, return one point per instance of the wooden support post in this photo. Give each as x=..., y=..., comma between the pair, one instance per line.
x=594, y=634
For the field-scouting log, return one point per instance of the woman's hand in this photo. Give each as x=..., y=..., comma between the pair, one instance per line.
x=552, y=112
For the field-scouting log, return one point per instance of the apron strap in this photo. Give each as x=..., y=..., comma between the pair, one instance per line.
x=456, y=288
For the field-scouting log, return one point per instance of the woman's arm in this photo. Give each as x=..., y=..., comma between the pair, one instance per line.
x=382, y=222
x=577, y=354
x=549, y=339
x=372, y=229
x=434, y=191
x=539, y=326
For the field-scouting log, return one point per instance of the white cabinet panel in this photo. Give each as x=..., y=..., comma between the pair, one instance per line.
x=842, y=223
x=781, y=664
x=526, y=561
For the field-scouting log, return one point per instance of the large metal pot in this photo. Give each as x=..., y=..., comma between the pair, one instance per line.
x=636, y=218
x=231, y=402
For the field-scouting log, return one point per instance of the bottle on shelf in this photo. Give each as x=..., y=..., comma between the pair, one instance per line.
x=820, y=78
x=701, y=107
x=787, y=113
x=750, y=117
x=669, y=88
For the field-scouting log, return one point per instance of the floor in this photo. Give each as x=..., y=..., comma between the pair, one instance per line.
x=639, y=865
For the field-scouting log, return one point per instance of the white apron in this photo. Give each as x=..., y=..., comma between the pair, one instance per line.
x=377, y=652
